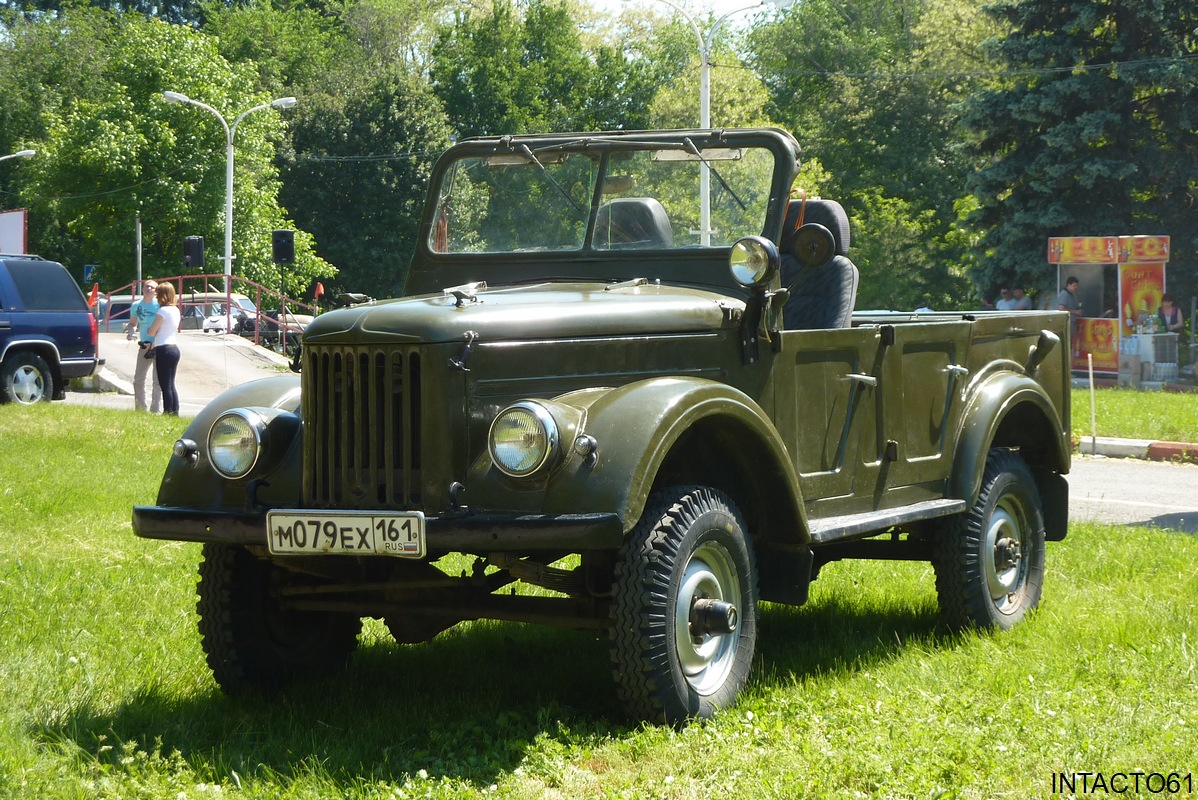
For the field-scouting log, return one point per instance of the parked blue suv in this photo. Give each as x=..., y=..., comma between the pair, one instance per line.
x=47, y=333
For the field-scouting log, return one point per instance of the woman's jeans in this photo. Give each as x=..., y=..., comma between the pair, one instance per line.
x=166, y=364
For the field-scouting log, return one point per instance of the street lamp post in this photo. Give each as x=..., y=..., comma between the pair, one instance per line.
x=19, y=154
x=705, y=44
x=230, y=132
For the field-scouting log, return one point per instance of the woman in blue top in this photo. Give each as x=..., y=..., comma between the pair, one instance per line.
x=164, y=350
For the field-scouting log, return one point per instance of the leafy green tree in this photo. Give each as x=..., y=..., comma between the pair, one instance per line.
x=1095, y=133
x=359, y=174
x=110, y=149
x=871, y=88
x=502, y=72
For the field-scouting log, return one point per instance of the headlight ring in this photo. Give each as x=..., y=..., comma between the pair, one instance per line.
x=236, y=441
x=524, y=437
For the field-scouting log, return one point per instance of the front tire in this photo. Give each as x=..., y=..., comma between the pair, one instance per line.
x=989, y=562
x=251, y=641
x=684, y=610
x=26, y=379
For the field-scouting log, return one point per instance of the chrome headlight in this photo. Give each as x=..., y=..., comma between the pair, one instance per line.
x=523, y=438
x=753, y=261
x=235, y=442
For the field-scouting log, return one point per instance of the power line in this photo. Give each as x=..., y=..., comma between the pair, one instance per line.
x=996, y=73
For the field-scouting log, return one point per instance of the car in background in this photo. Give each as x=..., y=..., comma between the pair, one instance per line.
x=112, y=313
x=47, y=333
x=220, y=321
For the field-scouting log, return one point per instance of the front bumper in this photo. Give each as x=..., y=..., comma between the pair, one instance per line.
x=465, y=533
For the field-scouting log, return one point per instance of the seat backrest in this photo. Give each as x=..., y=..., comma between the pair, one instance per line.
x=823, y=296
x=630, y=223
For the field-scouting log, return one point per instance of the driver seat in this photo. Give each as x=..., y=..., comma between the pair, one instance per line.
x=820, y=296
x=632, y=223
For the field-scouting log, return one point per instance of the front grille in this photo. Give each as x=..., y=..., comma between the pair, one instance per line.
x=361, y=409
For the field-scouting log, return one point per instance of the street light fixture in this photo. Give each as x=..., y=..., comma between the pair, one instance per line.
x=19, y=154
x=230, y=132
x=705, y=44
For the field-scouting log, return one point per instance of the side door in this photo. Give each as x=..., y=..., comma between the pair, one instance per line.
x=827, y=410
x=925, y=379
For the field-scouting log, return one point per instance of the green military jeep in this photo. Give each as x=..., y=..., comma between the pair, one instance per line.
x=627, y=375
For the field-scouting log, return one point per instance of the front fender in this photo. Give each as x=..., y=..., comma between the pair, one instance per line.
x=1008, y=409
x=196, y=484
x=635, y=427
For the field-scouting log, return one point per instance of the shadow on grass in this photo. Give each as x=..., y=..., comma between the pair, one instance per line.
x=469, y=706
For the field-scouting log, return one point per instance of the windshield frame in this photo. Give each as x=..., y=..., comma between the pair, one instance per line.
x=693, y=263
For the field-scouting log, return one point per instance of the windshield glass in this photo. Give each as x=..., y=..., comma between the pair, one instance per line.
x=621, y=198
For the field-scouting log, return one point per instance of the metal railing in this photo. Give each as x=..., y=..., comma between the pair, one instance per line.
x=189, y=287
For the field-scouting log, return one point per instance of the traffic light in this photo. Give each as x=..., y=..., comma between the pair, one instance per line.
x=193, y=251
x=282, y=246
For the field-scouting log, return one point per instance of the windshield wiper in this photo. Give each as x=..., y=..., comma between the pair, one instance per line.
x=691, y=146
x=549, y=176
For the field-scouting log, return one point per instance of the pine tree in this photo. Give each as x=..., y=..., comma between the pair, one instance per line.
x=1095, y=133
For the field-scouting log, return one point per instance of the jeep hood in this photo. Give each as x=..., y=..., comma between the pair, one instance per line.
x=531, y=311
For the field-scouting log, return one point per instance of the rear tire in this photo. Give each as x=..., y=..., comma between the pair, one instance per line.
x=989, y=562
x=26, y=379
x=689, y=550
x=251, y=642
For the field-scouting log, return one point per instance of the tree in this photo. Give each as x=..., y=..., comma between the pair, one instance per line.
x=871, y=88
x=359, y=174
x=500, y=72
x=1096, y=133
x=111, y=148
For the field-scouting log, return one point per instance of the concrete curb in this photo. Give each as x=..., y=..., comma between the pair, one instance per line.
x=1138, y=448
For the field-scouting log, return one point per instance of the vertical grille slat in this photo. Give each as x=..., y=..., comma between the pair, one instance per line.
x=361, y=427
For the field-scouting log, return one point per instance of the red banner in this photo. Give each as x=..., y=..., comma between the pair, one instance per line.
x=1143, y=249
x=1083, y=250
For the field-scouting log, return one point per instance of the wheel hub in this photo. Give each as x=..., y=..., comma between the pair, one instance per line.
x=712, y=617
x=1007, y=553
x=705, y=621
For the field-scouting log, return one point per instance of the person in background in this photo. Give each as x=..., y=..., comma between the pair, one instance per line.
x=164, y=349
x=1067, y=298
x=1170, y=315
x=140, y=317
x=987, y=304
x=1005, y=303
x=1021, y=300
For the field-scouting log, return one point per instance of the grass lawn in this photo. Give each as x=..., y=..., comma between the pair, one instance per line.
x=105, y=693
x=1133, y=414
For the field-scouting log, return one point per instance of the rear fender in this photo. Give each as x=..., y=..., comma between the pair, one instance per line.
x=1010, y=409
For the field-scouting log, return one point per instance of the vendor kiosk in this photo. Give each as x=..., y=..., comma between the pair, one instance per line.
x=1121, y=282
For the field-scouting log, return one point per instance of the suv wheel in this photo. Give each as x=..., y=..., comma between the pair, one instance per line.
x=989, y=561
x=684, y=610
x=26, y=379
x=254, y=643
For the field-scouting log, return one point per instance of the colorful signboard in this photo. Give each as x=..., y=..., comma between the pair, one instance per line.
x=1141, y=278
x=1140, y=290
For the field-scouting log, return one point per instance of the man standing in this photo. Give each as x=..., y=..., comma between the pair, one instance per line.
x=1021, y=300
x=140, y=317
x=1067, y=298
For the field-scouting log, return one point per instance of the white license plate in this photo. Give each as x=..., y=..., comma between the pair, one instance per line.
x=353, y=533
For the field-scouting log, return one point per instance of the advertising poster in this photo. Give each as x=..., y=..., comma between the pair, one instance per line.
x=1141, y=287
x=1097, y=338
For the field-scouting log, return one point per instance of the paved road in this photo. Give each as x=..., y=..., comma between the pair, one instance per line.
x=209, y=363
x=1128, y=491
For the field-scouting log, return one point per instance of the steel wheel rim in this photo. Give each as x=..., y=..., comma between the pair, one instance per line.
x=1006, y=562
x=705, y=659
x=28, y=385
